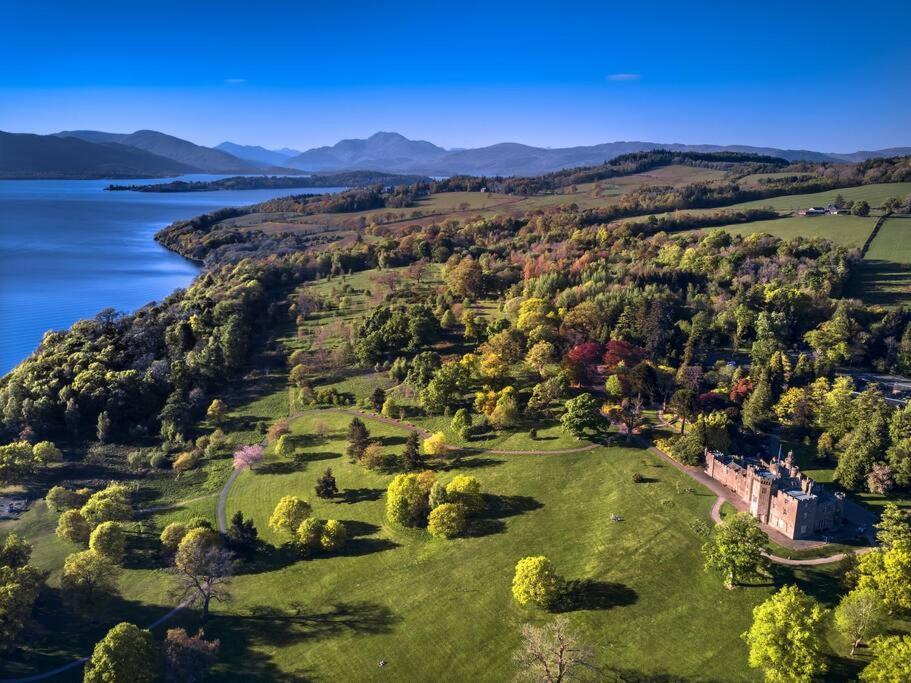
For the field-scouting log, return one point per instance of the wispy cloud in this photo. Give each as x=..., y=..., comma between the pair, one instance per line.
x=235, y=81
x=623, y=77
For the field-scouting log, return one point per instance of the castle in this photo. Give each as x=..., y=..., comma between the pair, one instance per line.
x=777, y=493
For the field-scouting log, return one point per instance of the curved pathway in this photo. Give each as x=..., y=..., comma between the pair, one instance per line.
x=221, y=516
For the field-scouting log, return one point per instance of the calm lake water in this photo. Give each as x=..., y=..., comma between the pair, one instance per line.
x=68, y=249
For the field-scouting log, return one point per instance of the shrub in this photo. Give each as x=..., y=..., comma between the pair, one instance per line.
x=60, y=498
x=435, y=445
x=465, y=490
x=334, y=535
x=108, y=540
x=536, y=582
x=638, y=478
x=447, y=520
x=172, y=536
x=406, y=500
x=308, y=535
x=73, y=527
x=159, y=461
x=137, y=460
x=185, y=461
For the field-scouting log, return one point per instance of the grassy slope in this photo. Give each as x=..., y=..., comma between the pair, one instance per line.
x=885, y=275
x=405, y=595
x=850, y=231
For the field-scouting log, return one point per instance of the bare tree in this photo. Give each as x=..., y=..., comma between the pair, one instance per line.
x=550, y=653
x=204, y=571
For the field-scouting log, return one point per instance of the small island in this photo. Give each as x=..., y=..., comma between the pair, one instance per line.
x=347, y=179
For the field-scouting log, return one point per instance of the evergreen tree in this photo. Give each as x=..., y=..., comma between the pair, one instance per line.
x=326, y=486
x=411, y=458
x=377, y=399
x=757, y=409
x=242, y=534
x=358, y=438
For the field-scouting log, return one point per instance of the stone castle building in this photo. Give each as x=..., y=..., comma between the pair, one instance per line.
x=777, y=493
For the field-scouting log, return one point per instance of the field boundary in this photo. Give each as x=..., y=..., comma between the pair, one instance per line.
x=873, y=233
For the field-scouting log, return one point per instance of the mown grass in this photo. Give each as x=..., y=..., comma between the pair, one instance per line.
x=403, y=594
x=849, y=231
x=884, y=277
x=875, y=194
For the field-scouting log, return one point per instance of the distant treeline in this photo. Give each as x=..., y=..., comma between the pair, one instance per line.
x=346, y=179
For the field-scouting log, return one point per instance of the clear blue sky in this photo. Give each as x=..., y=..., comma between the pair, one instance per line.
x=832, y=76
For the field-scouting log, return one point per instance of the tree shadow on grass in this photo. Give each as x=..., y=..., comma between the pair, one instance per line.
x=390, y=440
x=279, y=467
x=143, y=551
x=267, y=558
x=495, y=509
x=277, y=627
x=589, y=594
x=315, y=457
x=616, y=674
x=358, y=495
x=356, y=527
x=358, y=547
x=466, y=462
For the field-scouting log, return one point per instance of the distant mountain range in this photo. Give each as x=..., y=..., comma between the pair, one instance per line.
x=149, y=153
x=393, y=152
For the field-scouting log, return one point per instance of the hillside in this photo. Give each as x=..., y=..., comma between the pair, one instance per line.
x=23, y=155
x=384, y=151
x=258, y=155
x=199, y=158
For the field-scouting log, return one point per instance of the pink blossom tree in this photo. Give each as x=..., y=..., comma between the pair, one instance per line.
x=247, y=456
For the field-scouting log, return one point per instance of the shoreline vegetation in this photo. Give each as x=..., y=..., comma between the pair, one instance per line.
x=322, y=180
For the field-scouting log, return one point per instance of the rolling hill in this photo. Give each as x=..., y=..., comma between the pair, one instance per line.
x=201, y=158
x=258, y=155
x=23, y=155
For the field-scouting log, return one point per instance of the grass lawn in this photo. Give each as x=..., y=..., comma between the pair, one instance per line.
x=884, y=277
x=875, y=194
x=429, y=606
x=850, y=231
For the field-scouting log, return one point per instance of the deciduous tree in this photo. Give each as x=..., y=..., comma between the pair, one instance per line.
x=124, y=655
x=735, y=549
x=785, y=640
x=536, y=582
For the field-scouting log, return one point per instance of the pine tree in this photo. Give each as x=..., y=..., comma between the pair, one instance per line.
x=358, y=438
x=326, y=486
x=757, y=409
x=242, y=533
x=411, y=459
x=377, y=399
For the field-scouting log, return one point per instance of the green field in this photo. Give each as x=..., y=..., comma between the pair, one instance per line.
x=874, y=194
x=398, y=594
x=884, y=277
x=850, y=231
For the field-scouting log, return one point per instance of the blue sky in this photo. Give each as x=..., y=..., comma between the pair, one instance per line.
x=832, y=76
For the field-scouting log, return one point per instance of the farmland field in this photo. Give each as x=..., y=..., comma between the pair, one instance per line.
x=874, y=194
x=850, y=231
x=885, y=274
